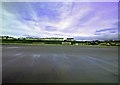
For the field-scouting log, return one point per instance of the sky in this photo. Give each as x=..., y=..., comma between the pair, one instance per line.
x=80, y=20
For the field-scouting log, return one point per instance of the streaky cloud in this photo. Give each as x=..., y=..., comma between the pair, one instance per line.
x=81, y=20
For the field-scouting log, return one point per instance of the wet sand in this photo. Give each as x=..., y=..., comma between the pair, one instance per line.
x=59, y=64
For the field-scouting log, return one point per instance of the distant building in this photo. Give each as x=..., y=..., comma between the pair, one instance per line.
x=70, y=39
x=30, y=38
x=49, y=39
x=66, y=43
x=76, y=44
x=52, y=39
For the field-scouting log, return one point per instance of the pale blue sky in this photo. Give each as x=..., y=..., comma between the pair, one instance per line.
x=80, y=20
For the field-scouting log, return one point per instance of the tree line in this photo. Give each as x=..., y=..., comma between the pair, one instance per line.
x=7, y=39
